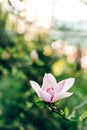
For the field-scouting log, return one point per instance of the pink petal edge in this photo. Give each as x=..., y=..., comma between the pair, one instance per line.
x=48, y=81
x=44, y=96
x=35, y=86
x=68, y=84
x=59, y=86
x=61, y=96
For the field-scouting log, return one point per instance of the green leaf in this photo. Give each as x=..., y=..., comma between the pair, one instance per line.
x=66, y=111
x=83, y=116
x=58, y=102
x=62, y=112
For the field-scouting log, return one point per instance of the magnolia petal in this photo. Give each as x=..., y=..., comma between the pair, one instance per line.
x=44, y=96
x=61, y=96
x=46, y=85
x=59, y=86
x=68, y=84
x=48, y=81
x=35, y=86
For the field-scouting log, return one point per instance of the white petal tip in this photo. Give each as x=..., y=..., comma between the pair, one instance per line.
x=31, y=81
x=73, y=79
x=71, y=93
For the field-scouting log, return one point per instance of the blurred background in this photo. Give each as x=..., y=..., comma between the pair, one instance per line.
x=38, y=37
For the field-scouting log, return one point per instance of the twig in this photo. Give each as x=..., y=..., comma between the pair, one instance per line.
x=53, y=108
x=78, y=107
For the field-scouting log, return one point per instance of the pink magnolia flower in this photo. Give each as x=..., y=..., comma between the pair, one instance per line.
x=34, y=55
x=51, y=91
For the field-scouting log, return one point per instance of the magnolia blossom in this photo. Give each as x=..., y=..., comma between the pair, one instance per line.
x=51, y=91
x=34, y=55
x=57, y=44
x=84, y=62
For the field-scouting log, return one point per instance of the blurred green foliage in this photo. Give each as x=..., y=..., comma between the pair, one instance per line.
x=18, y=110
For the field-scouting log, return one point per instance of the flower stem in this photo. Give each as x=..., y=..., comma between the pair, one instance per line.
x=53, y=108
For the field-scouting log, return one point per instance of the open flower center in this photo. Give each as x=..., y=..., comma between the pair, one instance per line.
x=51, y=92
